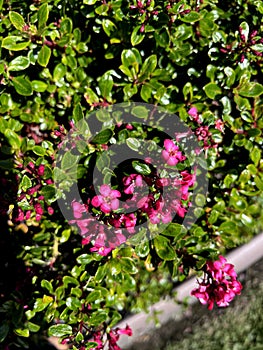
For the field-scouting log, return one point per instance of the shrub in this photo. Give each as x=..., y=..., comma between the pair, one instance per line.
x=67, y=67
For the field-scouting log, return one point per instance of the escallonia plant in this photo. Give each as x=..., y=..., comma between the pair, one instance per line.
x=131, y=146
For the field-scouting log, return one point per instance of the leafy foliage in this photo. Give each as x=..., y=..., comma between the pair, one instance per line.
x=60, y=61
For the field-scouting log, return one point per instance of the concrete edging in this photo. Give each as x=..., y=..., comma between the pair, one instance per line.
x=143, y=325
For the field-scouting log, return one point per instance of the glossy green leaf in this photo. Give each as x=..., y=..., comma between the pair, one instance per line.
x=136, y=36
x=250, y=90
x=22, y=86
x=19, y=63
x=131, y=58
x=212, y=90
x=141, y=168
x=39, y=86
x=13, y=138
x=60, y=330
x=44, y=56
x=128, y=265
x=25, y=183
x=244, y=29
x=84, y=259
x=4, y=329
x=191, y=17
x=103, y=137
x=42, y=16
x=17, y=20
x=163, y=248
x=140, y=112
x=77, y=112
x=22, y=332
x=33, y=327
x=106, y=85
x=59, y=72
x=38, y=150
x=133, y=143
x=14, y=43
x=148, y=66
x=255, y=155
x=108, y=26
x=66, y=25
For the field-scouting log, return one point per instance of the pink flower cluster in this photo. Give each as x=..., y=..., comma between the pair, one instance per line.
x=144, y=197
x=220, y=285
x=31, y=196
x=112, y=338
x=202, y=131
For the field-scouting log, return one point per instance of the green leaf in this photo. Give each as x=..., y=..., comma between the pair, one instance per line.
x=49, y=192
x=13, y=43
x=108, y=26
x=84, y=259
x=105, y=85
x=212, y=90
x=146, y=92
x=39, y=86
x=228, y=226
x=191, y=17
x=17, y=20
x=60, y=330
x=131, y=58
x=259, y=183
x=77, y=112
x=250, y=90
x=13, y=138
x=59, y=72
x=73, y=303
x=136, y=36
x=245, y=29
x=19, y=63
x=231, y=76
x=22, y=86
x=33, y=327
x=128, y=265
x=148, y=66
x=38, y=150
x=142, y=249
x=133, y=143
x=163, y=248
x=255, y=155
x=141, y=168
x=25, y=183
x=44, y=56
x=66, y=25
x=70, y=280
x=41, y=303
x=4, y=329
x=140, y=112
x=22, y=332
x=69, y=160
x=42, y=16
x=103, y=137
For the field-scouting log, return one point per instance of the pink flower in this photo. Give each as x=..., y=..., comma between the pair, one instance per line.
x=171, y=153
x=131, y=181
x=127, y=331
x=41, y=170
x=194, y=114
x=107, y=200
x=219, y=125
x=220, y=285
x=157, y=216
x=78, y=209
